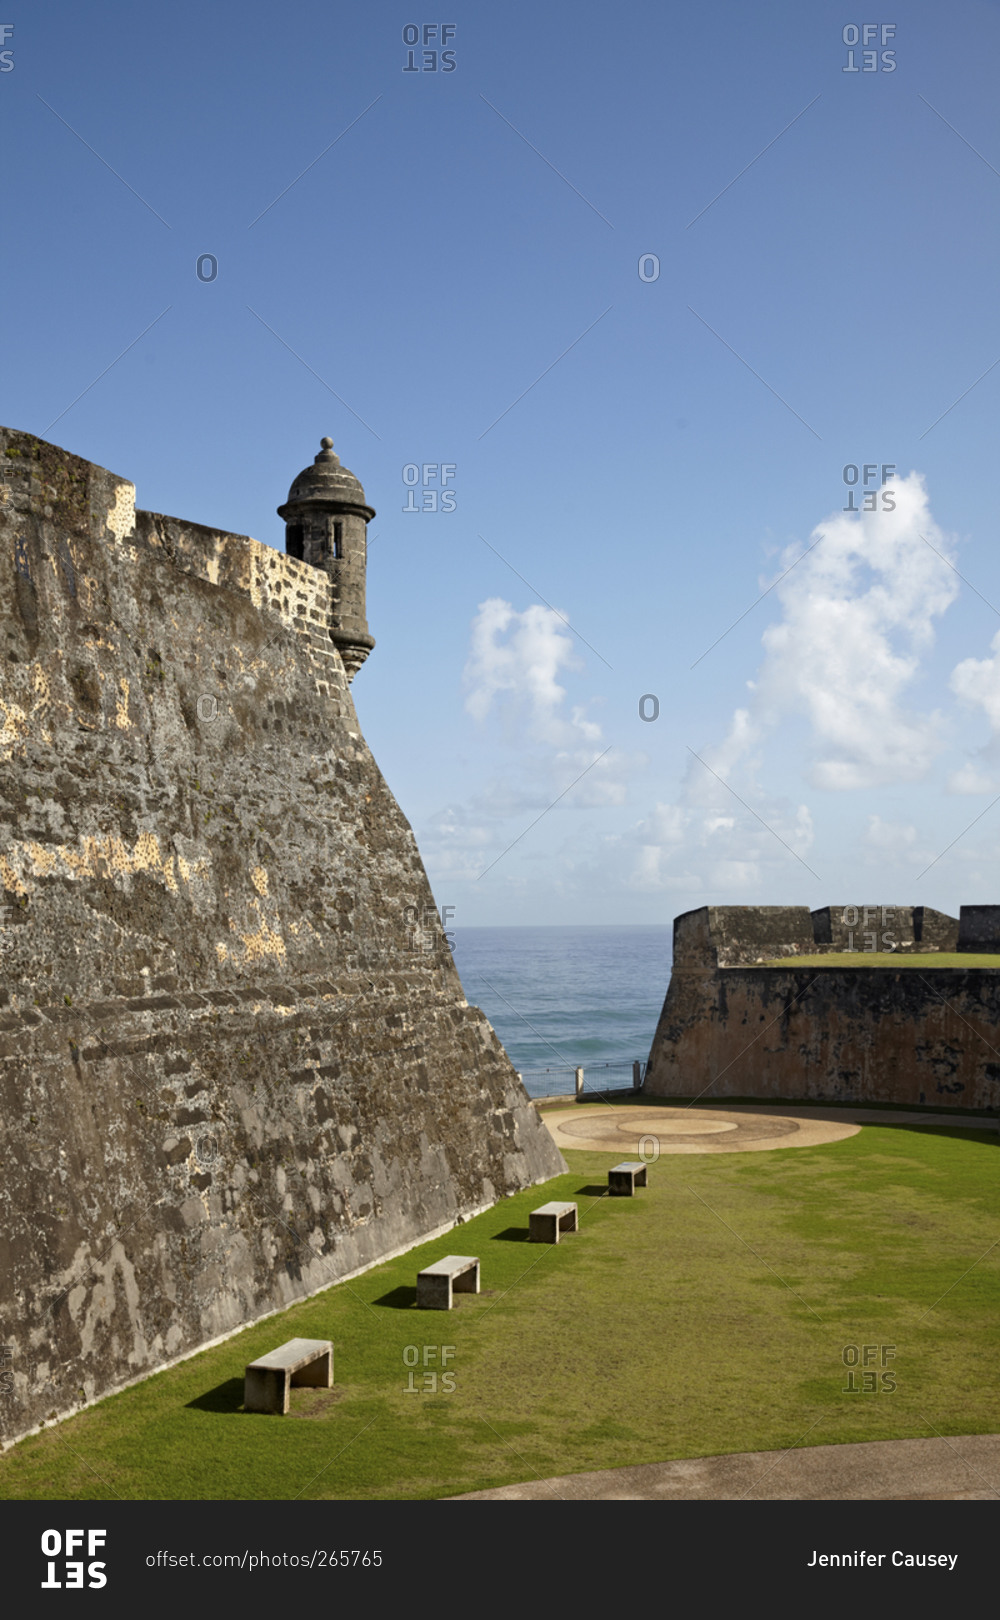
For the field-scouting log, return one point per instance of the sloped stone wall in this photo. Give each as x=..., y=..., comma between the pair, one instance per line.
x=236, y=1060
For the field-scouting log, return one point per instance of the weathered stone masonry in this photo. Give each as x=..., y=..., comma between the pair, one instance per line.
x=731, y=1027
x=236, y=1062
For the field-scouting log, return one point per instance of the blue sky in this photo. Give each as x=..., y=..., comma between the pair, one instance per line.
x=443, y=268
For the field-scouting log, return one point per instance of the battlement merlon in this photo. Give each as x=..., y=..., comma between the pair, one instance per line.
x=42, y=483
x=41, y=479
x=745, y=936
x=740, y=936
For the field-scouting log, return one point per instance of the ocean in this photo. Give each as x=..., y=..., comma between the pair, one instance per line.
x=561, y=997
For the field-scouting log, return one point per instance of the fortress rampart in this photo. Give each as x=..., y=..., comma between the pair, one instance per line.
x=236, y=1061
x=732, y=1027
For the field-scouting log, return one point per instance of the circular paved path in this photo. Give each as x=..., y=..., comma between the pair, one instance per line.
x=637, y=1131
x=736, y=1128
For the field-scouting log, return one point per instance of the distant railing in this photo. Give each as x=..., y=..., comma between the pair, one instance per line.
x=592, y=1077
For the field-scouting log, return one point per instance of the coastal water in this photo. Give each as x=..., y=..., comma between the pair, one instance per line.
x=565, y=996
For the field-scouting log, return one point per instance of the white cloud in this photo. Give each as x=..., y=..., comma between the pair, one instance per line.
x=517, y=679
x=733, y=876
x=526, y=665
x=857, y=615
x=731, y=848
x=971, y=778
x=837, y=684
x=516, y=661
x=667, y=825
x=891, y=835
x=701, y=785
x=976, y=682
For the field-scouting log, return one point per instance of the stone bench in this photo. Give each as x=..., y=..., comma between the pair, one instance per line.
x=626, y=1177
x=300, y=1361
x=435, y=1283
x=547, y=1221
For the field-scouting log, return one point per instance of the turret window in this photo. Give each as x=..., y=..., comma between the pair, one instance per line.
x=338, y=539
x=293, y=540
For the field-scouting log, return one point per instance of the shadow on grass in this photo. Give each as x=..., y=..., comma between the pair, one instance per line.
x=511, y=1234
x=227, y=1397
x=968, y=1133
x=398, y=1299
x=591, y=1192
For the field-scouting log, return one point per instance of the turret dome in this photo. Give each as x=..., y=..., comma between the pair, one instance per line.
x=328, y=480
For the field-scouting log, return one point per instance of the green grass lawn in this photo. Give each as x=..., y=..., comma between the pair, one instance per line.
x=708, y=1314
x=893, y=959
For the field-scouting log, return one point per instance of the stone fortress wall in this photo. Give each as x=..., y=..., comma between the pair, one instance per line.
x=236, y=1060
x=731, y=1027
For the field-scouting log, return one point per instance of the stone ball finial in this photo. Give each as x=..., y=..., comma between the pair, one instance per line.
x=326, y=444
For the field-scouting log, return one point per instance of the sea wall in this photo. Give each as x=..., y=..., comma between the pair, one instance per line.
x=236, y=1060
x=735, y=1028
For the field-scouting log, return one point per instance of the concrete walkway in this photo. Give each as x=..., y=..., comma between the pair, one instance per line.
x=962, y=1468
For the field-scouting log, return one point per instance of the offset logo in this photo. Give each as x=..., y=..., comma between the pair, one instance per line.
x=868, y=472
x=436, y=499
x=431, y=1381
x=863, y=1363
x=422, y=935
x=869, y=34
x=431, y=60
x=60, y=1548
x=878, y=938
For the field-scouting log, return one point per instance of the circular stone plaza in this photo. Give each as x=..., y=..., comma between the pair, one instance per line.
x=648, y=1132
